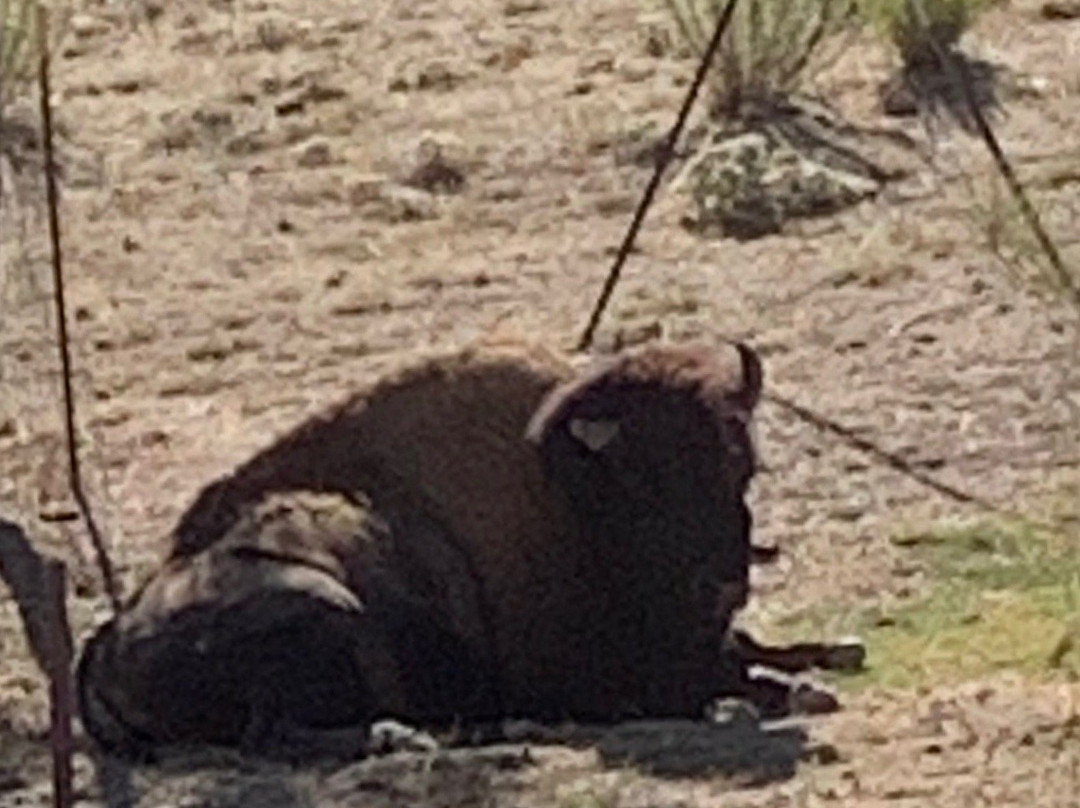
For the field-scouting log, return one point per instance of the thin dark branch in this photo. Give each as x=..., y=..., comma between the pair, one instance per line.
x=663, y=158
x=74, y=471
x=892, y=460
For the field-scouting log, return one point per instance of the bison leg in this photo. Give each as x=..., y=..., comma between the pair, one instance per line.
x=764, y=675
x=847, y=656
x=293, y=650
x=775, y=695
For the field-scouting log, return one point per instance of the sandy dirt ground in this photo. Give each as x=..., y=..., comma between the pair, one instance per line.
x=243, y=245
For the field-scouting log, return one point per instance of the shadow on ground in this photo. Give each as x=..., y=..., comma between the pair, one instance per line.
x=940, y=92
x=741, y=752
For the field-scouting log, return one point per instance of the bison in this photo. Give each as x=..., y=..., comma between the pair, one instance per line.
x=485, y=535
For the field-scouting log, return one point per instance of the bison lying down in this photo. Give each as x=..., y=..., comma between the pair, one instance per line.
x=487, y=535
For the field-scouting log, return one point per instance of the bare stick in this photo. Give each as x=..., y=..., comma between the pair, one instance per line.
x=74, y=472
x=61, y=689
x=895, y=461
x=663, y=158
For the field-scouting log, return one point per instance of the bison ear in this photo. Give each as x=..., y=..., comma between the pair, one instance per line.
x=593, y=434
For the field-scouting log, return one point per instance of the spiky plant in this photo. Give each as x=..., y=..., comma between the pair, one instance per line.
x=921, y=29
x=18, y=47
x=769, y=48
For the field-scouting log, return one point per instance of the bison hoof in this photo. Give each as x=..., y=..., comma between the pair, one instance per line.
x=848, y=655
x=809, y=699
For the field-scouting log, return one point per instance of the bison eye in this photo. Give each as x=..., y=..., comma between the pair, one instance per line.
x=593, y=434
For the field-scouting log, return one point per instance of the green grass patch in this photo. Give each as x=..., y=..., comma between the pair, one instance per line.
x=1002, y=597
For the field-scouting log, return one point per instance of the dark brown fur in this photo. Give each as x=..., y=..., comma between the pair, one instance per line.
x=464, y=554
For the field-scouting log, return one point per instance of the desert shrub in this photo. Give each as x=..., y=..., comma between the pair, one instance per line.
x=769, y=48
x=919, y=29
x=18, y=47
x=770, y=152
x=19, y=59
x=19, y=42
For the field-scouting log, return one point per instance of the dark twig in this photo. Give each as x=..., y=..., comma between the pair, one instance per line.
x=663, y=158
x=866, y=446
x=74, y=472
x=892, y=460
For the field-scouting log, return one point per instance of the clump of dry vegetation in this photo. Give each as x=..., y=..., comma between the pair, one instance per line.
x=770, y=153
x=18, y=34
x=920, y=30
x=925, y=35
x=20, y=48
x=998, y=221
x=18, y=38
x=770, y=47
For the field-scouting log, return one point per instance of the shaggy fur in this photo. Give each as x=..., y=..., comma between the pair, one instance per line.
x=487, y=534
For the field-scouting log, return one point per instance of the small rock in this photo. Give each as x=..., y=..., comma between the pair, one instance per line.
x=314, y=154
x=367, y=189
x=517, y=8
x=637, y=70
x=391, y=736
x=629, y=335
x=85, y=26
x=597, y=63
x=399, y=203
x=436, y=171
x=275, y=34
x=437, y=76
x=824, y=754
x=847, y=512
x=748, y=185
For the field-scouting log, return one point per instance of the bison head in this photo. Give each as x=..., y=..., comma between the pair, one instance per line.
x=652, y=451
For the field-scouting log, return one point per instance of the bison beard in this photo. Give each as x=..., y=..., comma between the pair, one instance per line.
x=486, y=535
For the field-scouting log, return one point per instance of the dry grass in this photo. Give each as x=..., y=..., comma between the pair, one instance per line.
x=20, y=41
x=770, y=48
x=918, y=29
x=1004, y=596
x=998, y=222
x=18, y=38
